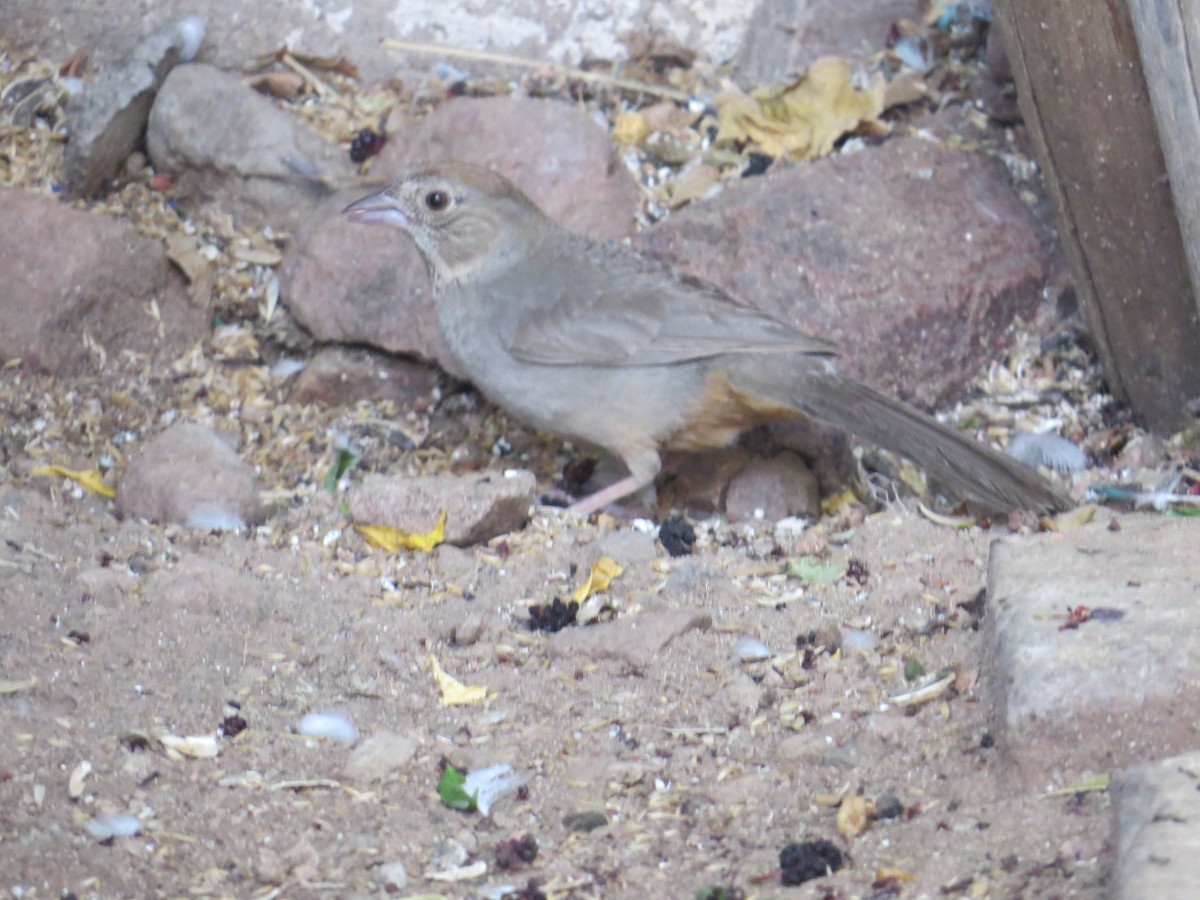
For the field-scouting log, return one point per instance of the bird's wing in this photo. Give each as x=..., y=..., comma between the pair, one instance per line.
x=635, y=313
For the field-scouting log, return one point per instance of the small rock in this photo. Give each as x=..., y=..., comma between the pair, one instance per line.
x=584, y=821
x=393, y=875
x=740, y=700
x=782, y=486
x=338, y=376
x=888, y=806
x=468, y=631
x=106, y=120
x=226, y=143
x=635, y=640
x=479, y=507
x=333, y=726
x=106, y=827
x=379, y=755
x=697, y=481
x=346, y=282
x=190, y=476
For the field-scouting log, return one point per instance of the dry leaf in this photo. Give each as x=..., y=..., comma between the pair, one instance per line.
x=90, y=480
x=802, y=120
x=257, y=256
x=887, y=877
x=948, y=521
x=199, y=746
x=338, y=64
x=1072, y=518
x=692, y=184
x=834, y=504
x=454, y=692
x=198, y=269
x=15, y=687
x=630, y=128
x=854, y=815
x=392, y=539
x=906, y=87
x=601, y=576
x=285, y=85
x=75, y=782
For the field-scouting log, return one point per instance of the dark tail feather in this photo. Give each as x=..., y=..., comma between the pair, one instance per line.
x=987, y=476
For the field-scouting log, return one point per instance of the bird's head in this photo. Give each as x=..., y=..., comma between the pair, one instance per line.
x=467, y=221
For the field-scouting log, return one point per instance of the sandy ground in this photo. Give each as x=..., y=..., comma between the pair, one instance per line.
x=704, y=765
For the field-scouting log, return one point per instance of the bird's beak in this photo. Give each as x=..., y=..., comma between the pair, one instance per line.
x=381, y=207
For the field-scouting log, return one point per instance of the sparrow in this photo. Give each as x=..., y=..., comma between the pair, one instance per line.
x=598, y=344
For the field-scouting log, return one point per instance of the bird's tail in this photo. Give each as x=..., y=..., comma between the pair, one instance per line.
x=984, y=475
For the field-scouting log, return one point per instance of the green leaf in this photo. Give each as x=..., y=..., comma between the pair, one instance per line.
x=453, y=792
x=342, y=463
x=913, y=669
x=810, y=568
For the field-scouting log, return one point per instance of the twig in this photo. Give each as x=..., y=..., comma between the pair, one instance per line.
x=627, y=84
x=322, y=89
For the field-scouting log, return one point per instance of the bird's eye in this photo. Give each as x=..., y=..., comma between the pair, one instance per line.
x=437, y=200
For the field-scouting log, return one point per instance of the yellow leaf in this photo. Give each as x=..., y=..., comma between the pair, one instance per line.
x=854, y=815
x=454, y=692
x=90, y=480
x=601, y=576
x=948, y=521
x=888, y=876
x=804, y=119
x=630, y=128
x=831, y=506
x=393, y=539
x=1072, y=518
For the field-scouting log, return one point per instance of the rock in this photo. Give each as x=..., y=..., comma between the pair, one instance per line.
x=634, y=640
x=697, y=481
x=467, y=631
x=740, y=700
x=912, y=258
x=785, y=36
x=338, y=376
x=392, y=875
x=781, y=486
x=479, y=506
x=226, y=144
x=379, y=755
x=348, y=282
x=1156, y=807
x=1059, y=707
x=189, y=475
x=107, y=119
x=76, y=287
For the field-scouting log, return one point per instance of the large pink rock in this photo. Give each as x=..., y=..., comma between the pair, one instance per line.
x=348, y=282
x=69, y=273
x=911, y=257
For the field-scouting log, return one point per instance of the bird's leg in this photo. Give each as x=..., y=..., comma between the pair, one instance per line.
x=643, y=467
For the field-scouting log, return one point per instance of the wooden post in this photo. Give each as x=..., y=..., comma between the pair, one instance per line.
x=1084, y=98
x=1168, y=35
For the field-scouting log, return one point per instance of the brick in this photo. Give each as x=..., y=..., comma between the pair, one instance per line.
x=1157, y=830
x=1107, y=694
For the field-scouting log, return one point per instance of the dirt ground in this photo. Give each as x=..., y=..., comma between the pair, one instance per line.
x=703, y=762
